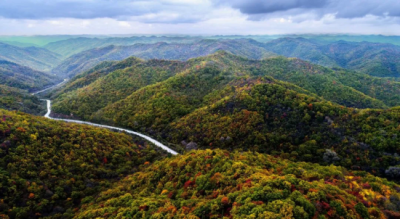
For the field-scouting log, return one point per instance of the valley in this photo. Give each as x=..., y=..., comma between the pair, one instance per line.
x=200, y=127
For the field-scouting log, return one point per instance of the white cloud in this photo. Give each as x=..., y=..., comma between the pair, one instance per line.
x=124, y=24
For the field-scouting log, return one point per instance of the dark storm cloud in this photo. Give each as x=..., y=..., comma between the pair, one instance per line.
x=342, y=8
x=266, y=6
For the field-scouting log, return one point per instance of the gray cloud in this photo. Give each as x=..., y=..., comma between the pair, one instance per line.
x=146, y=11
x=269, y=6
x=361, y=8
x=193, y=11
x=342, y=8
x=38, y=9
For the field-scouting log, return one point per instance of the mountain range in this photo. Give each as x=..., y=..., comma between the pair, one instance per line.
x=374, y=59
x=72, y=46
x=33, y=57
x=279, y=106
x=88, y=59
x=294, y=127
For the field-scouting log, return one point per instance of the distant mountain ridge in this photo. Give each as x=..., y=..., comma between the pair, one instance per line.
x=73, y=46
x=170, y=51
x=15, y=75
x=33, y=57
x=376, y=59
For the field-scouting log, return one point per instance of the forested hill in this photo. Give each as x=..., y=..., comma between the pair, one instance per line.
x=223, y=184
x=170, y=51
x=20, y=100
x=260, y=114
x=113, y=81
x=33, y=57
x=48, y=168
x=377, y=59
x=16, y=83
x=278, y=106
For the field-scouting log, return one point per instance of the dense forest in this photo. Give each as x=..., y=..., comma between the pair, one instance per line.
x=48, y=168
x=271, y=118
x=223, y=184
x=265, y=115
x=228, y=97
x=104, y=85
x=19, y=100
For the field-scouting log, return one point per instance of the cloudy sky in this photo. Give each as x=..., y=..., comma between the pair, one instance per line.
x=199, y=16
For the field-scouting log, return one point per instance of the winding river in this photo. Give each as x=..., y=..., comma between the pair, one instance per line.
x=155, y=142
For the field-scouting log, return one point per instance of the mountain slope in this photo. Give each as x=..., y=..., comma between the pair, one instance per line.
x=100, y=87
x=222, y=184
x=224, y=95
x=47, y=168
x=33, y=57
x=116, y=85
x=88, y=59
x=376, y=59
x=270, y=118
x=16, y=99
x=22, y=77
x=275, y=116
x=93, y=74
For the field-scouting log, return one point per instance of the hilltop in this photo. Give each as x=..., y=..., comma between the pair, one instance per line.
x=219, y=184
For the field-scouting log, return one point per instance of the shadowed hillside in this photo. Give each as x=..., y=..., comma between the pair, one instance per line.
x=14, y=75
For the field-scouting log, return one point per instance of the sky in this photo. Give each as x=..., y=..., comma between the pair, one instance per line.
x=199, y=17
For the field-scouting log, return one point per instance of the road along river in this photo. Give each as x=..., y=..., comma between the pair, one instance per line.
x=155, y=142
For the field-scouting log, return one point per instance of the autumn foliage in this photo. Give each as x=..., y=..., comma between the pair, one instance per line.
x=250, y=185
x=49, y=168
